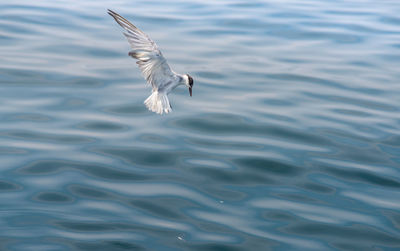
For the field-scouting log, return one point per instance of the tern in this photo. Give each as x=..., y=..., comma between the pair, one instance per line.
x=154, y=67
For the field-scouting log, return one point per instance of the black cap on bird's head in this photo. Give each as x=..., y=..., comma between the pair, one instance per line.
x=190, y=84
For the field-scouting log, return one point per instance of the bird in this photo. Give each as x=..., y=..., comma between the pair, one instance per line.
x=154, y=67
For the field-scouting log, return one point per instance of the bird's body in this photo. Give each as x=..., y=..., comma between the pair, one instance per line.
x=154, y=67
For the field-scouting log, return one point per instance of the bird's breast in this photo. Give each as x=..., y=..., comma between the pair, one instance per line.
x=169, y=86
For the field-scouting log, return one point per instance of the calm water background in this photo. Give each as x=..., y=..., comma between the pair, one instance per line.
x=290, y=142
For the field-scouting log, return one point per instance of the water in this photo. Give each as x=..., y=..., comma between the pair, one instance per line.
x=290, y=141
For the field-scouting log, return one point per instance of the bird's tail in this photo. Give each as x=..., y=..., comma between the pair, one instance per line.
x=158, y=102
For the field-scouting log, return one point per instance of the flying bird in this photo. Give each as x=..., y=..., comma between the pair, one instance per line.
x=154, y=67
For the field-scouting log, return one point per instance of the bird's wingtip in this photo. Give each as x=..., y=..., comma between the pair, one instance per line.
x=110, y=12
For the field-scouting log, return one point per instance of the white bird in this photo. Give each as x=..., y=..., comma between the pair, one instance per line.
x=154, y=67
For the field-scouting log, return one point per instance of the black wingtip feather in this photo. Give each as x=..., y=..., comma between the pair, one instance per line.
x=121, y=20
x=112, y=14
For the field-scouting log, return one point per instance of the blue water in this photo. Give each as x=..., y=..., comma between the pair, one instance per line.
x=291, y=140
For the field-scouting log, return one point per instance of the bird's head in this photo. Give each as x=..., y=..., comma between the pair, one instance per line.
x=189, y=83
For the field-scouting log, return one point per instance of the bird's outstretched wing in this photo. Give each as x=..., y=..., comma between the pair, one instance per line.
x=151, y=62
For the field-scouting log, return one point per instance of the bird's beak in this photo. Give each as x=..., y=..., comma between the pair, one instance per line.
x=190, y=91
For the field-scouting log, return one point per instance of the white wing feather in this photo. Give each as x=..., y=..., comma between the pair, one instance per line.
x=151, y=62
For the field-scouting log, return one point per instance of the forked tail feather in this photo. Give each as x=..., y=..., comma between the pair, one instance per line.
x=158, y=102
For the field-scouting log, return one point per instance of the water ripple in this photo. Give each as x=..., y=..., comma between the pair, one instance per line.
x=290, y=141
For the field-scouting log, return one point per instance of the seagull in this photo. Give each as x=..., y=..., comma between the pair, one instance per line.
x=154, y=67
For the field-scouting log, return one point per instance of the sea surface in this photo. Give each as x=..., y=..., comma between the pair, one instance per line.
x=291, y=140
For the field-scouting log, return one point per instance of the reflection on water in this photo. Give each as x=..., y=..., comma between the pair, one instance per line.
x=289, y=142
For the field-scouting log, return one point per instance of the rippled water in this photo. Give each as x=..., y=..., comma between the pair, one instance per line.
x=291, y=140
